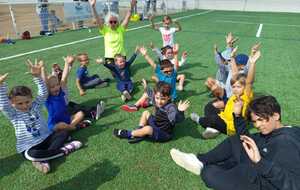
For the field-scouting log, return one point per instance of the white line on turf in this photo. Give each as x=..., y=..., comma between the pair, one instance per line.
x=92, y=38
x=255, y=23
x=259, y=30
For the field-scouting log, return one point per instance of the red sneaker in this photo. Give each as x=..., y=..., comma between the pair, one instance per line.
x=129, y=108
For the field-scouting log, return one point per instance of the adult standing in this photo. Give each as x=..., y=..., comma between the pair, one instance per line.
x=42, y=11
x=112, y=31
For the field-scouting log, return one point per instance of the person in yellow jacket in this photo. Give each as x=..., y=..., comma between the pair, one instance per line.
x=215, y=122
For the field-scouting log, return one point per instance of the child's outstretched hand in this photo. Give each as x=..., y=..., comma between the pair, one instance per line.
x=234, y=51
x=99, y=60
x=176, y=48
x=184, y=54
x=92, y=3
x=35, y=69
x=182, y=106
x=143, y=51
x=137, y=49
x=69, y=60
x=81, y=92
x=255, y=53
x=3, y=77
x=230, y=40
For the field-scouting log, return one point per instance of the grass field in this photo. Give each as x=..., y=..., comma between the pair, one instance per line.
x=106, y=162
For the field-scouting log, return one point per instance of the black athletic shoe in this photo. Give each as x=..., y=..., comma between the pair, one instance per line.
x=136, y=140
x=121, y=133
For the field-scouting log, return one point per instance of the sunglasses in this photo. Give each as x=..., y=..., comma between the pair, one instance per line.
x=168, y=71
x=113, y=22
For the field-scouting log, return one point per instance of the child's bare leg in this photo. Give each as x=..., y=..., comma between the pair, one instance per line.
x=62, y=126
x=77, y=118
x=146, y=130
x=154, y=78
x=142, y=99
x=144, y=118
x=181, y=79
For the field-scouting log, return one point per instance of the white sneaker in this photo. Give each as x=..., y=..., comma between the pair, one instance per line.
x=187, y=161
x=195, y=117
x=100, y=109
x=127, y=95
x=71, y=147
x=210, y=133
x=123, y=98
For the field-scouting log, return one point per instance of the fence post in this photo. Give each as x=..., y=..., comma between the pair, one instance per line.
x=13, y=20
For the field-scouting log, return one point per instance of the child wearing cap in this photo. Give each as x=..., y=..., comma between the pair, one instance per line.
x=216, y=121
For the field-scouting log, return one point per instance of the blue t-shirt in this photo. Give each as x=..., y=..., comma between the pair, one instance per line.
x=170, y=79
x=82, y=74
x=57, y=110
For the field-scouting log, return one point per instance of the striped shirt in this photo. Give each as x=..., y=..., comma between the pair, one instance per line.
x=30, y=127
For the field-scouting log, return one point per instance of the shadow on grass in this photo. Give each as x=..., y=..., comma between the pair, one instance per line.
x=91, y=178
x=187, y=128
x=10, y=164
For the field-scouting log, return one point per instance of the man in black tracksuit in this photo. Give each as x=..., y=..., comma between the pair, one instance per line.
x=263, y=161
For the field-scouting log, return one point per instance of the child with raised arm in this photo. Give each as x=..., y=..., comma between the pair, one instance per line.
x=121, y=72
x=34, y=140
x=167, y=32
x=169, y=53
x=83, y=80
x=215, y=122
x=164, y=71
x=159, y=125
x=60, y=109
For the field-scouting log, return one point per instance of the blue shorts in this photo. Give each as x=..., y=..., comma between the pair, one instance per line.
x=125, y=85
x=158, y=134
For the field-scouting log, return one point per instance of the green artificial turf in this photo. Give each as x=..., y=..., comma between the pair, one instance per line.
x=106, y=162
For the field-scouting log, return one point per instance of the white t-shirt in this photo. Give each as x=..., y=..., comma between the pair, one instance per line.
x=167, y=36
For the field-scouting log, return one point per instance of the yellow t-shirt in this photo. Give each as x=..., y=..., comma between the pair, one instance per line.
x=113, y=40
x=227, y=116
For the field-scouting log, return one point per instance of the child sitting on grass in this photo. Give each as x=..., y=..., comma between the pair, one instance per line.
x=169, y=53
x=215, y=122
x=84, y=81
x=159, y=126
x=58, y=106
x=121, y=72
x=164, y=71
x=34, y=140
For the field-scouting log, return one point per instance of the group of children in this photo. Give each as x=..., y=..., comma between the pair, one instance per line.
x=40, y=141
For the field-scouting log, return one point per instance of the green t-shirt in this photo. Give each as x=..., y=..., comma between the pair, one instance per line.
x=113, y=41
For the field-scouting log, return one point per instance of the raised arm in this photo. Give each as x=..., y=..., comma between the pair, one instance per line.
x=69, y=60
x=178, y=26
x=254, y=56
x=175, y=51
x=128, y=15
x=99, y=20
x=5, y=105
x=153, y=25
x=36, y=72
x=143, y=51
x=234, y=68
x=230, y=40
